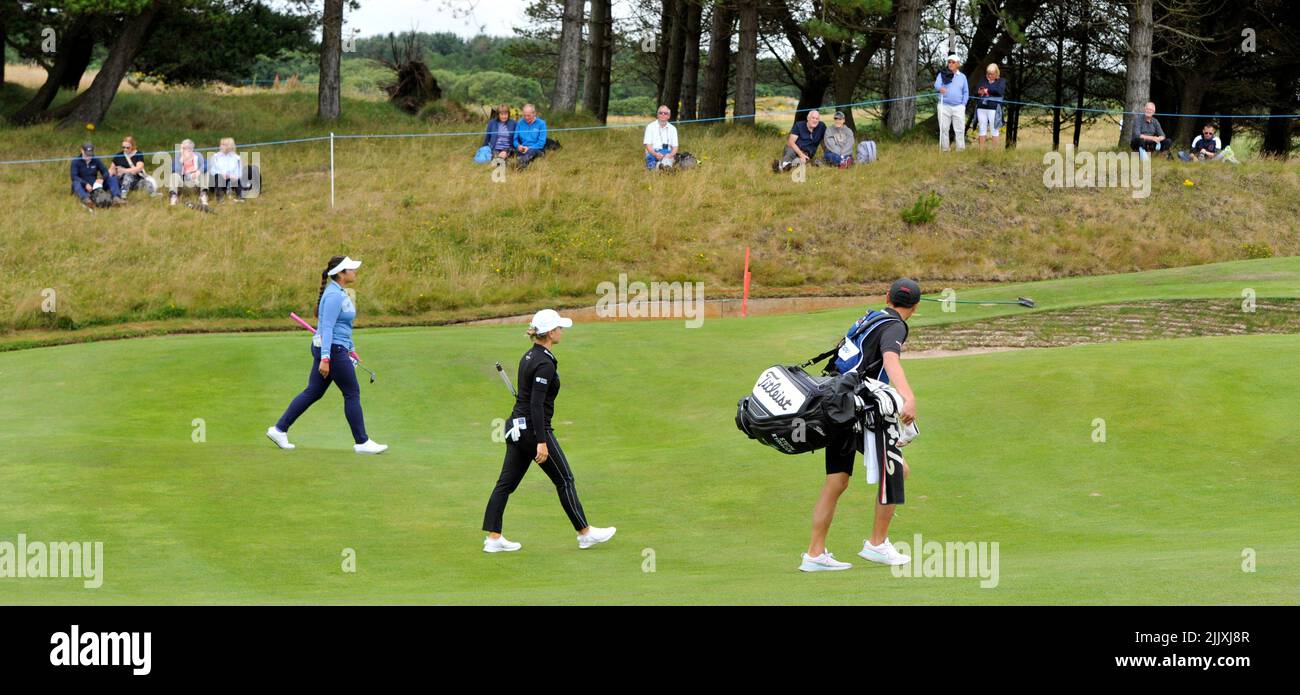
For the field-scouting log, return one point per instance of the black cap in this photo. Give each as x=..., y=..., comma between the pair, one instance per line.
x=88, y=147
x=904, y=293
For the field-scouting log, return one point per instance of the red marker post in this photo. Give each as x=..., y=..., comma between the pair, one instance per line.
x=744, y=302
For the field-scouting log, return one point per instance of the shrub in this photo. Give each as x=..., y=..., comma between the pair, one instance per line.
x=922, y=211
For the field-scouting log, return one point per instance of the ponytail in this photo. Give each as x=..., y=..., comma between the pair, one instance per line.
x=324, y=280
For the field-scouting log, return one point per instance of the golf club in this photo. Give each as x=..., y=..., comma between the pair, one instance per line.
x=355, y=358
x=1022, y=301
x=506, y=378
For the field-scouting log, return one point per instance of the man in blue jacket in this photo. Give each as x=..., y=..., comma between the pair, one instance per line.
x=530, y=136
x=953, y=94
x=85, y=170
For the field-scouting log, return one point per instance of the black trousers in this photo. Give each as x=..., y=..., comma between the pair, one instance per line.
x=519, y=456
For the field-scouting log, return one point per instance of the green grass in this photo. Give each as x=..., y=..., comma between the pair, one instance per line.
x=1197, y=466
x=441, y=239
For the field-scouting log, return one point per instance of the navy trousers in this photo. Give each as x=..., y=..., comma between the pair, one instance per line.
x=343, y=373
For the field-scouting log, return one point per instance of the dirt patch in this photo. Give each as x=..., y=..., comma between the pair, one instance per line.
x=926, y=354
x=1106, y=323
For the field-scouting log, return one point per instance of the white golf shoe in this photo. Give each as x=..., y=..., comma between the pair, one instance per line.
x=883, y=554
x=595, y=536
x=370, y=447
x=281, y=439
x=500, y=545
x=825, y=562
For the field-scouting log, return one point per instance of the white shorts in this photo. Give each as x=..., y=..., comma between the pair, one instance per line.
x=986, y=118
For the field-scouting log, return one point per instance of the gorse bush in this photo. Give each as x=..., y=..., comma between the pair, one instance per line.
x=923, y=210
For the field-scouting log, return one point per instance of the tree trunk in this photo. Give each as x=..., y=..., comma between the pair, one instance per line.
x=1058, y=85
x=596, y=86
x=985, y=48
x=847, y=78
x=34, y=109
x=662, y=45
x=4, y=38
x=1277, y=132
x=91, y=105
x=713, y=93
x=1082, y=84
x=902, y=76
x=565, y=97
x=331, y=53
x=691, y=62
x=607, y=63
x=78, y=62
x=1014, y=91
x=747, y=63
x=1137, y=73
x=672, y=93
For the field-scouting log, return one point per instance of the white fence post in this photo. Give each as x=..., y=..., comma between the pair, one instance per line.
x=331, y=169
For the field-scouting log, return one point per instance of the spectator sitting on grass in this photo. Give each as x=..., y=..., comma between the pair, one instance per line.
x=801, y=146
x=500, y=133
x=1207, y=147
x=530, y=137
x=661, y=141
x=188, y=171
x=1148, y=136
x=86, y=171
x=227, y=171
x=839, y=143
x=128, y=168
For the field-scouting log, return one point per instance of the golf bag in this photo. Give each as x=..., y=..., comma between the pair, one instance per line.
x=791, y=411
x=794, y=413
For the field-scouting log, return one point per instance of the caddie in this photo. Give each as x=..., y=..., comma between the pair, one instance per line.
x=872, y=348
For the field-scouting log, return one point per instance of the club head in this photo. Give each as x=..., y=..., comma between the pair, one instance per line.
x=1025, y=302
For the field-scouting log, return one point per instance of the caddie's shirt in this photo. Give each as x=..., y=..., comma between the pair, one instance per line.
x=889, y=338
x=539, y=384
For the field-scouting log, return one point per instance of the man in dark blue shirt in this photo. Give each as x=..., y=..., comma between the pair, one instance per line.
x=801, y=146
x=85, y=170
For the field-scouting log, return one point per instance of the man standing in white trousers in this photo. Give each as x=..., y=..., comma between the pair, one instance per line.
x=953, y=93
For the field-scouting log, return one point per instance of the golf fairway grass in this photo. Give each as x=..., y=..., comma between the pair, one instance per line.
x=1197, y=469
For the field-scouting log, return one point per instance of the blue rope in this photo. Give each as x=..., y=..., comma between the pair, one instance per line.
x=857, y=104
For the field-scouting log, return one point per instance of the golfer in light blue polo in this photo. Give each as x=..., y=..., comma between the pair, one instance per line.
x=331, y=352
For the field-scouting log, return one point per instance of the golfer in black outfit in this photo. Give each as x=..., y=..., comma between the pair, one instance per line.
x=529, y=438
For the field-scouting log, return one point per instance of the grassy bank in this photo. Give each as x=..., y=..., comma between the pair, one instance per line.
x=441, y=239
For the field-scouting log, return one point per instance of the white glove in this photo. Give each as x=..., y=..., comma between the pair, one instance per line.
x=906, y=433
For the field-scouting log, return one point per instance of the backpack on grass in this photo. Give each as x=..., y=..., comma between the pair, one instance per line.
x=866, y=152
x=101, y=198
